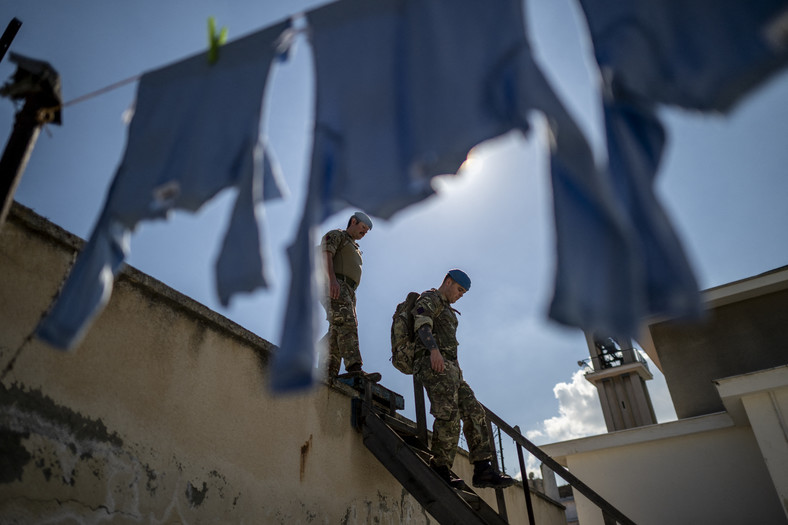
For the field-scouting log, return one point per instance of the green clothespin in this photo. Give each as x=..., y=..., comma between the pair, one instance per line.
x=214, y=40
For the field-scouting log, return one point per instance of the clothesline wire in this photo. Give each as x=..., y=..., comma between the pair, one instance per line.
x=47, y=115
x=101, y=91
x=285, y=41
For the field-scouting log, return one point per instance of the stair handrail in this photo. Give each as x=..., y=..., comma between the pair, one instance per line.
x=609, y=512
x=606, y=507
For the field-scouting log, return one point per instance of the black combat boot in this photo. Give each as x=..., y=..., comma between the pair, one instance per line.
x=448, y=476
x=485, y=476
x=355, y=370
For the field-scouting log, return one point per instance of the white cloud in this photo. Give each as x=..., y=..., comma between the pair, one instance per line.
x=580, y=415
x=579, y=411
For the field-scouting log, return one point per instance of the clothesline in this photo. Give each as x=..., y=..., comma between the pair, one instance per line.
x=98, y=92
x=283, y=43
x=47, y=115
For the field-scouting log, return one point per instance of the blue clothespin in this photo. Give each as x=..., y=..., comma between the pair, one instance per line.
x=214, y=40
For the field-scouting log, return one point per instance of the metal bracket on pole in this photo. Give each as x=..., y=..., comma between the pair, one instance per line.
x=38, y=85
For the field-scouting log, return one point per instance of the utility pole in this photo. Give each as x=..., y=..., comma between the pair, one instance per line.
x=8, y=36
x=38, y=85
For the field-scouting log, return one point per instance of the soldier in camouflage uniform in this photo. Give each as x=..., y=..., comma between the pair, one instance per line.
x=343, y=266
x=451, y=398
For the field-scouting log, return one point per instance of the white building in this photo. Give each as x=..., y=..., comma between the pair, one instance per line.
x=725, y=460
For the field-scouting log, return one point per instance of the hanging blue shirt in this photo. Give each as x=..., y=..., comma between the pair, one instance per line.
x=195, y=132
x=684, y=53
x=405, y=88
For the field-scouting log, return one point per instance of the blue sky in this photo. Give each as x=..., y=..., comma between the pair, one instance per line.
x=722, y=181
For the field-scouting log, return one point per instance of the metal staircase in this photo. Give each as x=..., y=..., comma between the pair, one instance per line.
x=402, y=453
x=401, y=448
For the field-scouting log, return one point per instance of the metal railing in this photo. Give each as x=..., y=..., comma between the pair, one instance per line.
x=611, y=514
x=614, y=359
x=608, y=510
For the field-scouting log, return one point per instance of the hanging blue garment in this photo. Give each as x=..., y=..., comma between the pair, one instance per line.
x=686, y=53
x=195, y=132
x=405, y=88
x=404, y=91
x=596, y=267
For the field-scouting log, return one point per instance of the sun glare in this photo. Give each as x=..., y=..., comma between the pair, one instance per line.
x=473, y=163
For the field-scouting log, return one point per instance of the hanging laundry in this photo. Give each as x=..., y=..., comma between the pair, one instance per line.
x=687, y=53
x=195, y=132
x=684, y=53
x=405, y=88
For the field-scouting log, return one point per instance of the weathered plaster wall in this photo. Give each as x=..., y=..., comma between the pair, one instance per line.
x=745, y=336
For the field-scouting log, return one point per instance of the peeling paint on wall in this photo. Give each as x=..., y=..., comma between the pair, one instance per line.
x=13, y=456
x=27, y=416
x=80, y=472
x=304, y=453
x=194, y=495
x=33, y=404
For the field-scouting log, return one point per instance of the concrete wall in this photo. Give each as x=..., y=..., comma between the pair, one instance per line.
x=700, y=470
x=163, y=415
x=736, y=338
x=760, y=400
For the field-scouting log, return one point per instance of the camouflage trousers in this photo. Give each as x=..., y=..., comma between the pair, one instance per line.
x=452, y=401
x=342, y=331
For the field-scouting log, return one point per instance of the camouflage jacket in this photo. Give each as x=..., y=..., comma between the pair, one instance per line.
x=433, y=310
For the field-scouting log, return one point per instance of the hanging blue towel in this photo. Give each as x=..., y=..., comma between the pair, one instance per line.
x=195, y=132
x=405, y=88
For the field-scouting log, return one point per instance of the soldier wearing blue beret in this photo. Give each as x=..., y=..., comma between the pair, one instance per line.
x=451, y=398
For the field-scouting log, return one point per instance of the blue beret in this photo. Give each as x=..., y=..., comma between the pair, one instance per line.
x=460, y=278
